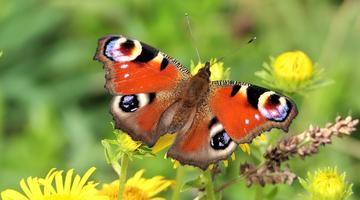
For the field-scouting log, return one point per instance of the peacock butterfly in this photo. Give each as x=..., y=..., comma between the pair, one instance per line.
x=154, y=95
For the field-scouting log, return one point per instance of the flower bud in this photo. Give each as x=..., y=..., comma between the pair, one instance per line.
x=293, y=66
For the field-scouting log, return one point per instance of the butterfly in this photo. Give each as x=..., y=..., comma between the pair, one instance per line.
x=154, y=95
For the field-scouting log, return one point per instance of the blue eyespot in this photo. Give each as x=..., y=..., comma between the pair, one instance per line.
x=129, y=103
x=220, y=141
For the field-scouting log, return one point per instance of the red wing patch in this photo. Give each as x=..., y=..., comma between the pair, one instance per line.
x=134, y=67
x=235, y=113
x=132, y=78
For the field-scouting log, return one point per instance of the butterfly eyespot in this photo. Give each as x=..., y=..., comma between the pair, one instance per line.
x=220, y=140
x=122, y=105
x=273, y=106
x=121, y=49
x=129, y=103
x=273, y=99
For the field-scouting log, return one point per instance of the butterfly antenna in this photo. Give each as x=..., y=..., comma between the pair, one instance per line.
x=252, y=40
x=187, y=19
x=234, y=52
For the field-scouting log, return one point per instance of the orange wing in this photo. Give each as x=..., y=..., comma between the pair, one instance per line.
x=144, y=82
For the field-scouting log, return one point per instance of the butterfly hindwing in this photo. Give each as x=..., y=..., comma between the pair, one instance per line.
x=140, y=114
x=144, y=81
x=202, y=141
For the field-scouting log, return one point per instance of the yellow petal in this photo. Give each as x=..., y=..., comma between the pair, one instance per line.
x=68, y=180
x=25, y=188
x=75, y=184
x=262, y=137
x=211, y=167
x=12, y=195
x=233, y=157
x=176, y=164
x=245, y=148
x=59, y=182
x=34, y=187
x=226, y=163
x=86, y=177
x=163, y=142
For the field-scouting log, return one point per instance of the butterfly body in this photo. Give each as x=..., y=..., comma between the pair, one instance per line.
x=154, y=95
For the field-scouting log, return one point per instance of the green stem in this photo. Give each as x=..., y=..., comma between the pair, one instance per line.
x=229, y=183
x=259, y=193
x=209, y=188
x=122, y=176
x=179, y=179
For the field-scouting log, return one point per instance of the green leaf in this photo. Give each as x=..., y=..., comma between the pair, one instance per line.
x=303, y=183
x=266, y=66
x=272, y=194
x=263, y=75
x=198, y=183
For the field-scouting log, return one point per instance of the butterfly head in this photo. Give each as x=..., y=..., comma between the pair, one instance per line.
x=205, y=71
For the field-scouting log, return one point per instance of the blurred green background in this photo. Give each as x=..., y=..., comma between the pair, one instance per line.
x=54, y=109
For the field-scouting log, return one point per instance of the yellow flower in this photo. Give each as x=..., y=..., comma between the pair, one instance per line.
x=293, y=66
x=137, y=188
x=54, y=187
x=217, y=69
x=123, y=144
x=292, y=72
x=327, y=184
x=127, y=143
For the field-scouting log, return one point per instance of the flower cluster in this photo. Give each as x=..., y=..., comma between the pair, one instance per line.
x=304, y=144
x=55, y=187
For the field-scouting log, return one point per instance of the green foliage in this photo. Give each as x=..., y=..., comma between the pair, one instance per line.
x=54, y=109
